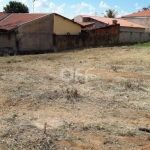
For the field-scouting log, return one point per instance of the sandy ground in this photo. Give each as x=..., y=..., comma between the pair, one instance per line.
x=92, y=99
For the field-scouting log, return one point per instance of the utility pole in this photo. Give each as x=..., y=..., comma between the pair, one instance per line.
x=33, y=5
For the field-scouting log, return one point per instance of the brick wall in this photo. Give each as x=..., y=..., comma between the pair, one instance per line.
x=96, y=37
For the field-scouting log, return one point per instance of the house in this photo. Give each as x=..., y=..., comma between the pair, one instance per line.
x=33, y=32
x=103, y=22
x=129, y=32
x=142, y=18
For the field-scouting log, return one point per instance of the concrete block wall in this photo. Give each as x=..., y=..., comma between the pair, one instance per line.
x=142, y=21
x=7, y=43
x=36, y=36
x=133, y=37
x=145, y=37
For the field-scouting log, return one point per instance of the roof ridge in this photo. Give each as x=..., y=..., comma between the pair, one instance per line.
x=144, y=13
x=6, y=17
x=9, y=24
x=32, y=20
x=131, y=24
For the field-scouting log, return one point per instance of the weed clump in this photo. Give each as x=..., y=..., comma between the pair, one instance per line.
x=72, y=94
x=13, y=61
x=148, y=138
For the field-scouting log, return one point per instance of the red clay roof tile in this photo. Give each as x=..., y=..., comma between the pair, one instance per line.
x=145, y=13
x=122, y=22
x=15, y=20
x=85, y=23
x=3, y=15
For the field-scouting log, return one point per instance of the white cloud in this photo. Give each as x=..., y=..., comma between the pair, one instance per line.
x=23, y=1
x=41, y=3
x=26, y=2
x=137, y=6
x=103, y=5
x=89, y=6
x=1, y=8
x=44, y=6
x=55, y=8
x=122, y=13
x=116, y=7
x=80, y=7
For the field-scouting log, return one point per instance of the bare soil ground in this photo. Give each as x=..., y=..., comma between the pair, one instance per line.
x=92, y=99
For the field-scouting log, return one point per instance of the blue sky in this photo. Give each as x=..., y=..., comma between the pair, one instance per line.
x=70, y=8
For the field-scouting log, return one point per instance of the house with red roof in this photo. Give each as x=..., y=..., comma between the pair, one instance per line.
x=33, y=32
x=142, y=18
x=103, y=22
x=39, y=33
x=129, y=32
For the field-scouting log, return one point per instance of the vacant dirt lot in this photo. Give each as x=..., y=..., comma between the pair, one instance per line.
x=92, y=99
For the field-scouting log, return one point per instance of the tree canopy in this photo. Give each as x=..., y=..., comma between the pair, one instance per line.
x=146, y=8
x=110, y=13
x=16, y=7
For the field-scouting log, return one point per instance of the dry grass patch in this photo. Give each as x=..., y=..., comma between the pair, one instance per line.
x=103, y=105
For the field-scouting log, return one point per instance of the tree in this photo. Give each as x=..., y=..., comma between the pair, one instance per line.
x=146, y=8
x=16, y=7
x=110, y=13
